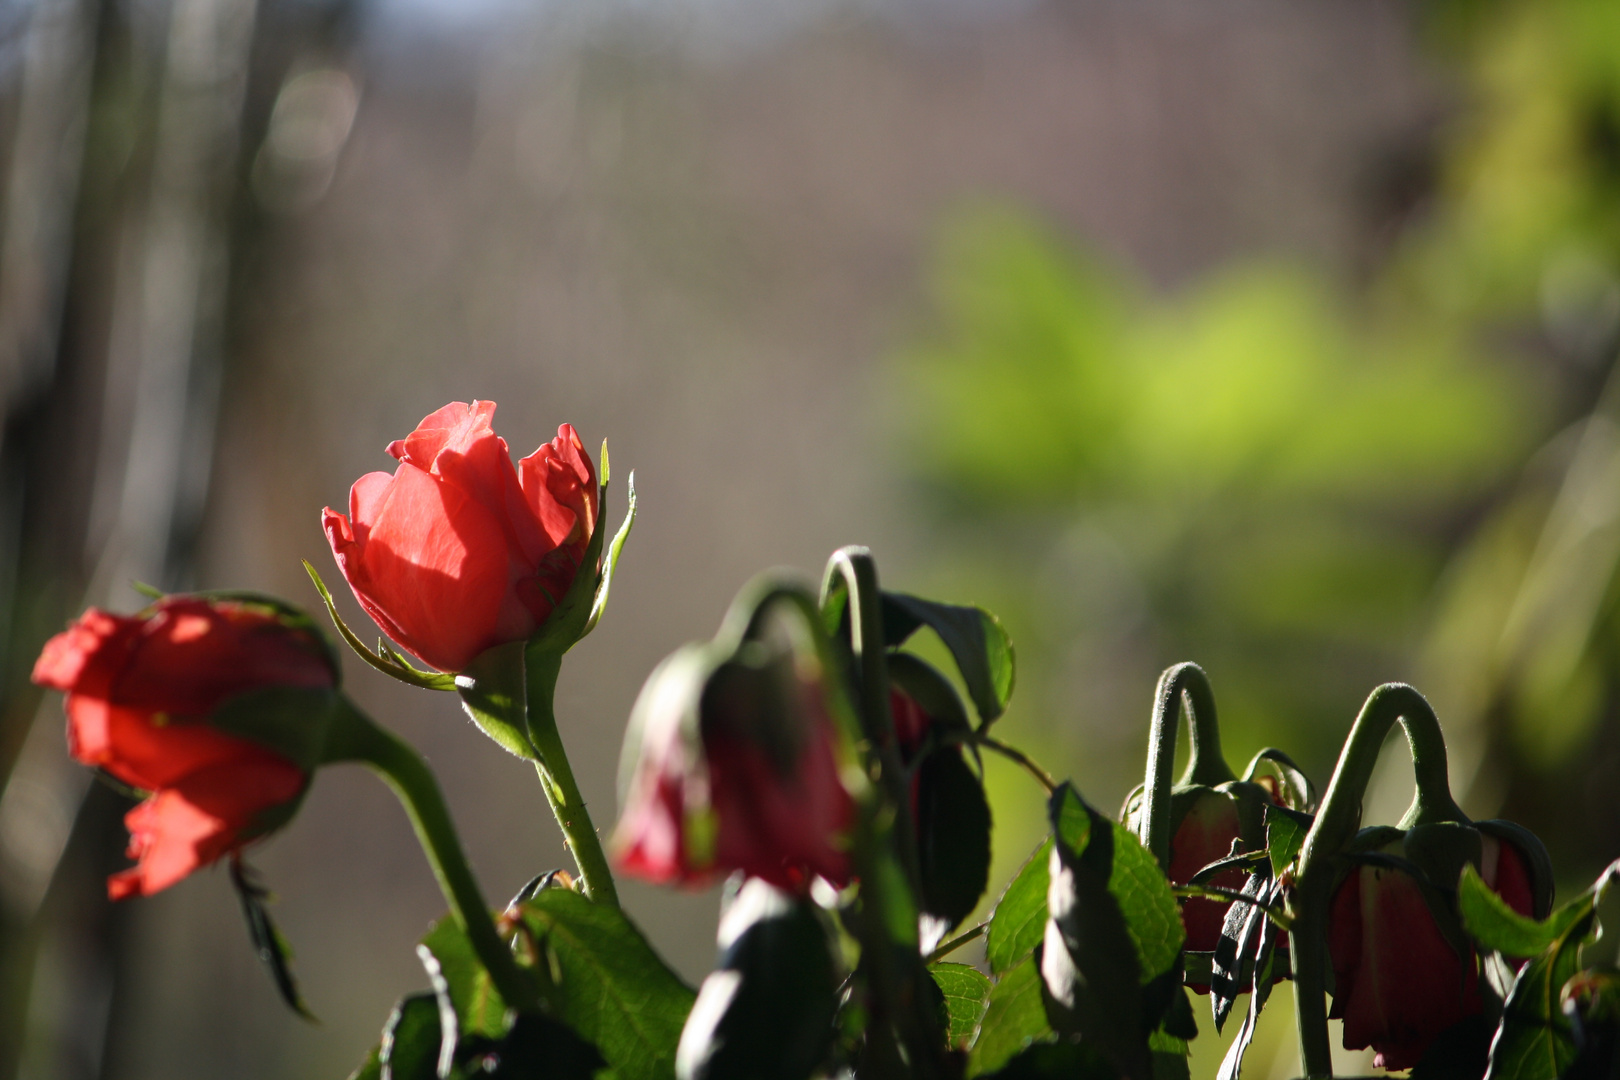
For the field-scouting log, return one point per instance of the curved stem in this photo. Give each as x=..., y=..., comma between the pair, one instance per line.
x=1183, y=683
x=854, y=568
x=557, y=777
x=1015, y=755
x=1336, y=823
x=355, y=737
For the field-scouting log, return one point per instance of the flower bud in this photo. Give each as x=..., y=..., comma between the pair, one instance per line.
x=1204, y=835
x=731, y=766
x=141, y=693
x=1403, y=970
x=1204, y=821
x=458, y=551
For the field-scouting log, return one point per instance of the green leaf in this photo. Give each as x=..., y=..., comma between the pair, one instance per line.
x=605, y=982
x=1284, y=836
x=768, y=1008
x=1014, y=1017
x=1536, y=1039
x=1113, y=943
x=411, y=1040
x=493, y=693
x=1150, y=907
x=371, y=1068
x=1497, y=926
x=1169, y=1058
x=967, y=991
x=478, y=1005
x=1019, y=920
x=975, y=638
x=268, y=944
x=953, y=835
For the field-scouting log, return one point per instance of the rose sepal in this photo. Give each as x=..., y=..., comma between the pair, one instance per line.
x=385, y=659
x=494, y=694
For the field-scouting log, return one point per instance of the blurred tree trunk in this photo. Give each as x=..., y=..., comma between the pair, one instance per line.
x=121, y=179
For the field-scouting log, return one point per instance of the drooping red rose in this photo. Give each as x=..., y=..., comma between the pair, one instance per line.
x=458, y=551
x=1398, y=982
x=721, y=795
x=140, y=690
x=1204, y=836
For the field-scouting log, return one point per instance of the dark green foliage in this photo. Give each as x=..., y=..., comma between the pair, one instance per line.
x=981, y=648
x=1019, y=920
x=766, y=1012
x=953, y=835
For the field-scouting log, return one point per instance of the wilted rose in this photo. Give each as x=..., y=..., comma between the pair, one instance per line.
x=1398, y=982
x=140, y=690
x=1205, y=835
x=458, y=551
x=753, y=785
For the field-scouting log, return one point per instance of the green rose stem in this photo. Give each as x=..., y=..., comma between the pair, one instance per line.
x=887, y=911
x=508, y=692
x=1206, y=765
x=855, y=570
x=1336, y=823
x=355, y=737
x=557, y=777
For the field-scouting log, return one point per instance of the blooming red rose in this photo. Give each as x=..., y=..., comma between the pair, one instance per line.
x=458, y=551
x=1398, y=982
x=140, y=690
x=721, y=795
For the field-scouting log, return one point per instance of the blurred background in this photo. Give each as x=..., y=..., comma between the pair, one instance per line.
x=1277, y=337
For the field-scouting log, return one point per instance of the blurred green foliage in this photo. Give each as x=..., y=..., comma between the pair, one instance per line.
x=1310, y=484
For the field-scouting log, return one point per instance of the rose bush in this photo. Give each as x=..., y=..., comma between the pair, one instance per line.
x=140, y=690
x=458, y=551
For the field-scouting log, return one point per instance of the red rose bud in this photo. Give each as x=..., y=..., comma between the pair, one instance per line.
x=140, y=690
x=752, y=785
x=1399, y=983
x=1205, y=835
x=458, y=551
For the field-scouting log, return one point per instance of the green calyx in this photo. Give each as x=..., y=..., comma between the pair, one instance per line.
x=294, y=721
